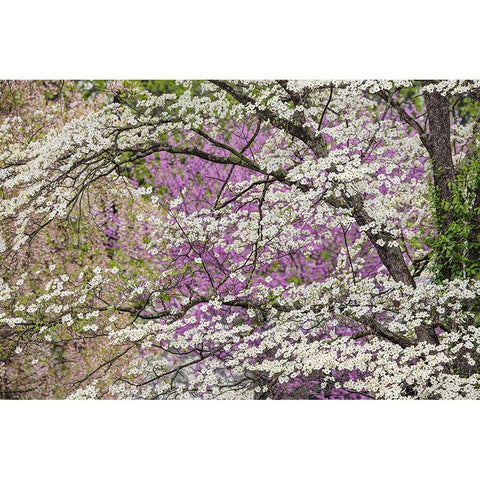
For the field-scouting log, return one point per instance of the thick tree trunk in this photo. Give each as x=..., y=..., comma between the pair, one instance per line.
x=437, y=142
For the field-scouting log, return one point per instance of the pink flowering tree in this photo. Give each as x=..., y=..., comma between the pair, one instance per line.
x=277, y=239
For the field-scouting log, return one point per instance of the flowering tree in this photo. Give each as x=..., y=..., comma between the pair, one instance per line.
x=29, y=110
x=277, y=239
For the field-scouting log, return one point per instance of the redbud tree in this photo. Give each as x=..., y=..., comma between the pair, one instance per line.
x=244, y=239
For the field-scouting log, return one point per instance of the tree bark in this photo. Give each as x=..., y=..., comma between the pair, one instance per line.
x=438, y=145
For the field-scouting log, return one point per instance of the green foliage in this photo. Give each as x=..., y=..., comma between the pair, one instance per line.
x=276, y=267
x=295, y=279
x=90, y=88
x=456, y=250
x=413, y=96
x=160, y=87
x=466, y=109
x=326, y=255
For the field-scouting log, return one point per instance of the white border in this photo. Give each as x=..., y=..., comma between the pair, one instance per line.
x=234, y=439
x=248, y=39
